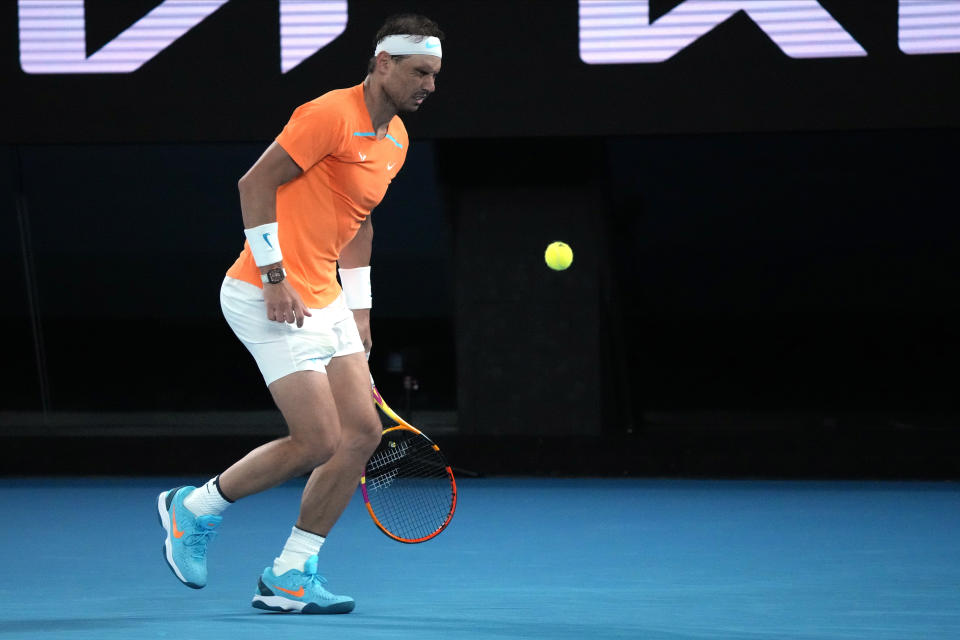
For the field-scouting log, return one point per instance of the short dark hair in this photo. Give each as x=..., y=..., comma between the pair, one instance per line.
x=405, y=24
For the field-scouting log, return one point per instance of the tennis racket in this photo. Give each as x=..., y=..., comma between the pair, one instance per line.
x=408, y=487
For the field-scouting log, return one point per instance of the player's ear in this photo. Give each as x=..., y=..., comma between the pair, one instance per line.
x=383, y=62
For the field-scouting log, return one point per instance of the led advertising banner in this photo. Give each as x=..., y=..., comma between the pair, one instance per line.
x=623, y=31
x=210, y=70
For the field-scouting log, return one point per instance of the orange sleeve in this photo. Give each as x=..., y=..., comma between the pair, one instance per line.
x=315, y=130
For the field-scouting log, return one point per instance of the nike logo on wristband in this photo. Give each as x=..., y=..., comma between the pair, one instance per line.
x=267, y=240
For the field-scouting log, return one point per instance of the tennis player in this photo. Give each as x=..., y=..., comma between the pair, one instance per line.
x=306, y=206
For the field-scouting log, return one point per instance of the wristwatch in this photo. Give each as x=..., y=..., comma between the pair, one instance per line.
x=274, y=276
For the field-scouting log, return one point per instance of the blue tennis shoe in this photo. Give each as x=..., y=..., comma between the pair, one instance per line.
x=299, y=592
x=185, y=548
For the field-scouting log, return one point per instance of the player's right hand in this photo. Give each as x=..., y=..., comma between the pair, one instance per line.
x=284, y=303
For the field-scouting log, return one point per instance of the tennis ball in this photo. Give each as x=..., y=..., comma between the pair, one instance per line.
x=558, y=255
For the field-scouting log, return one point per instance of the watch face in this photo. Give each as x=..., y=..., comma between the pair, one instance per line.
x=275, y=275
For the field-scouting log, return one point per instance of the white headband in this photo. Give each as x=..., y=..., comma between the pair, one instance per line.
x=405, y=45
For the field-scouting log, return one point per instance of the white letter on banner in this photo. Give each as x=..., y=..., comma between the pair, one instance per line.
x=616, y=32
x=929, y=26
x=53, y=36
x=306, y=26
x=53, y=33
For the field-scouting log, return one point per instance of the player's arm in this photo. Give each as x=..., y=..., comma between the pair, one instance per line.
x=258, y=204
x=355, y=275
x=258, y=186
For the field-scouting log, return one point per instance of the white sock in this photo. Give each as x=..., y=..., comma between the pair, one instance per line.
x=207, y=500
x=300, y=546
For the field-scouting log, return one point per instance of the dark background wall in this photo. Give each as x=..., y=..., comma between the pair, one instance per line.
x=765, y=248
x=511, y=69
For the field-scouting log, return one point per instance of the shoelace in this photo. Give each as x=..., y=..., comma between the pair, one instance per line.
x=313, y=579
x=198, y=541
x=316, y=579
x=315, y=584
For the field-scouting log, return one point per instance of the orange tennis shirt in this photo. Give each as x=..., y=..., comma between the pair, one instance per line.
x=346, y=172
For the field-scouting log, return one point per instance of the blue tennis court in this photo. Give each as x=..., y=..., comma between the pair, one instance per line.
x=523, y=558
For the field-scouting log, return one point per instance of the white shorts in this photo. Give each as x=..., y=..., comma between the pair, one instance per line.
x=281, y=348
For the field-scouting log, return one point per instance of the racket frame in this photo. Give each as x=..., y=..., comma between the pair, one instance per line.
x=406, y=426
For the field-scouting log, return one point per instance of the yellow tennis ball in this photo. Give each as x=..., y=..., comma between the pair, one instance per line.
x=558, y=255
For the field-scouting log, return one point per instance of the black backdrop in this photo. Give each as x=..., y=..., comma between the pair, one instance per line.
x=510, y=69
x=765, y=259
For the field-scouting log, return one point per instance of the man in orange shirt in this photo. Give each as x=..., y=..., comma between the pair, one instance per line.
x=306, y=206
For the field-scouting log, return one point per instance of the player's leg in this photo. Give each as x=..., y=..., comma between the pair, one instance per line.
x=292, y=362
x=292, y=583
x=332, y=485
x=191, y=516
x=307, y=403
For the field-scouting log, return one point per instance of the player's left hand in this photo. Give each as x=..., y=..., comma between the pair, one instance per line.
x=362, y=318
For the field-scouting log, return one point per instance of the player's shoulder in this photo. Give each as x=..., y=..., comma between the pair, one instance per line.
x=337, y=101
x=341, y=97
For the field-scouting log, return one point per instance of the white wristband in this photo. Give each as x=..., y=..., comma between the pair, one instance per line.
x=264, y=244
x=356, y=287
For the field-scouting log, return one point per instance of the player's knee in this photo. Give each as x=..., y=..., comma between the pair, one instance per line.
x=369, y=436
x=364, y=437
x=315, y=449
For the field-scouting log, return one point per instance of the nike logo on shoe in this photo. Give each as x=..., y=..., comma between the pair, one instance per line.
x=391, y=165
x=296, y=594
x=177, y=533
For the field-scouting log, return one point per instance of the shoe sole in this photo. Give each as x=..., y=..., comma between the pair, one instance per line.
x=163, y=512
x=279, y=604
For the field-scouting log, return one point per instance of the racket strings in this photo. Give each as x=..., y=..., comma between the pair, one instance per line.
x=388, y=455
x=381, y=481
x=409, y=486
x=411, y=513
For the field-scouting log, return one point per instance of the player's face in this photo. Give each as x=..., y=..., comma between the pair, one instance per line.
x=411, y=80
